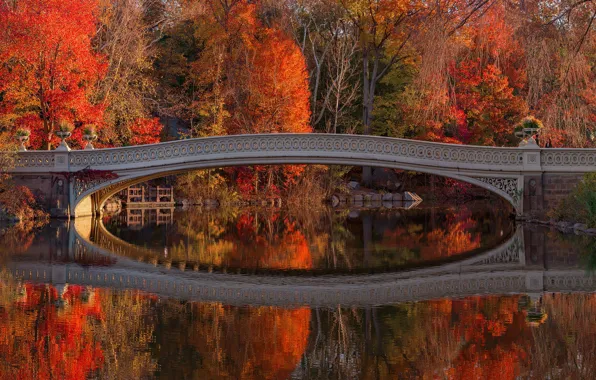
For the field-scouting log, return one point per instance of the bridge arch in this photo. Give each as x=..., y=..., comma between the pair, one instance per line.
x=498, y=170
x=96, y=196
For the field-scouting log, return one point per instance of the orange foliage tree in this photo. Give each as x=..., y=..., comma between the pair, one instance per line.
x=47, y=65
x=269, y=346
x=254, y=80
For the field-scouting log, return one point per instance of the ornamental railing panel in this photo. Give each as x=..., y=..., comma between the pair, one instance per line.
x=464, y=157
x=372, y=148
x=303, y=145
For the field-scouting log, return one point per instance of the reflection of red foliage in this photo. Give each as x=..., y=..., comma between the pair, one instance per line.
x=455, y=236
x=40, y=340
x=17, y=239
x=453, y=240
x=286, y=247
x=493, y=329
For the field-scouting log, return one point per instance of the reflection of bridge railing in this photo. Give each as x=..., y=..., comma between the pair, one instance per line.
x=501, y=270
x=371, y=290
x=139, y=217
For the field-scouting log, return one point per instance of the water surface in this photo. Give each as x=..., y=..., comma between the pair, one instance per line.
x=327, y=240
x=520, y=306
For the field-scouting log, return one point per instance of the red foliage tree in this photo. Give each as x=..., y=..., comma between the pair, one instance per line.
x=145, y=131
x=478, y=94
x=487, y=103
x=47, y=65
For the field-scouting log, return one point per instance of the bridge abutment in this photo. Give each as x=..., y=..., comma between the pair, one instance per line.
x=558, y=186
x=545, y=191
x=52, y=192
x=533, y=201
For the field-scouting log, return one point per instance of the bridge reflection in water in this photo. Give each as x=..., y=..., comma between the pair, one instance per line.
x=139, y=217
x=519, y=265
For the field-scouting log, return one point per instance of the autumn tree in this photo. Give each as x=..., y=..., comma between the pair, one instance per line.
x=128, y=35
x=238, y=74
x=560, y=42
x=47, y=65
x=466, y=83
x=329, y=43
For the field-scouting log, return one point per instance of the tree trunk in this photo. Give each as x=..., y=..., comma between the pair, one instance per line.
x=367, y=106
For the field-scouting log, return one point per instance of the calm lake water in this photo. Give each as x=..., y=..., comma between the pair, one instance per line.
x=430, y=292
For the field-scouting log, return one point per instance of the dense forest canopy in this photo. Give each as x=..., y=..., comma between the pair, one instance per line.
x=446, y=70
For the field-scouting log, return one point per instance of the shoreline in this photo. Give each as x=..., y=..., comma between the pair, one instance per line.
x=566, y=227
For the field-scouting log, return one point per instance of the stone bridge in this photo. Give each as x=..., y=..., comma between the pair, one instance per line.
x=530, y=178
x=502, y=270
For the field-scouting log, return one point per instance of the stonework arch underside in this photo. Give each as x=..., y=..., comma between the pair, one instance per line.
x=507, y=185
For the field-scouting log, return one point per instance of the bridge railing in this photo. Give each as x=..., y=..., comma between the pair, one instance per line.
x=568, y=160
x=512, y=159
x=280, y=145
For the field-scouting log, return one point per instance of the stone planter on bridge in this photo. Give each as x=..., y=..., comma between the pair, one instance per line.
x=22, y=141
x=89, y=138
x=22, y=136
x=63, y=135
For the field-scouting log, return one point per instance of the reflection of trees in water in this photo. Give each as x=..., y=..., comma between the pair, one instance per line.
x=470, y=338
x=476, y=337
x=416, y=243
x=72, y=333
x=218, y=341
x=83, y=332
x=565, y=345
x=79, y=332
x=17, y=238
x=48, y=335
x=248, y=240
x=126, y=334
x=328, y=239
x=334, y=347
